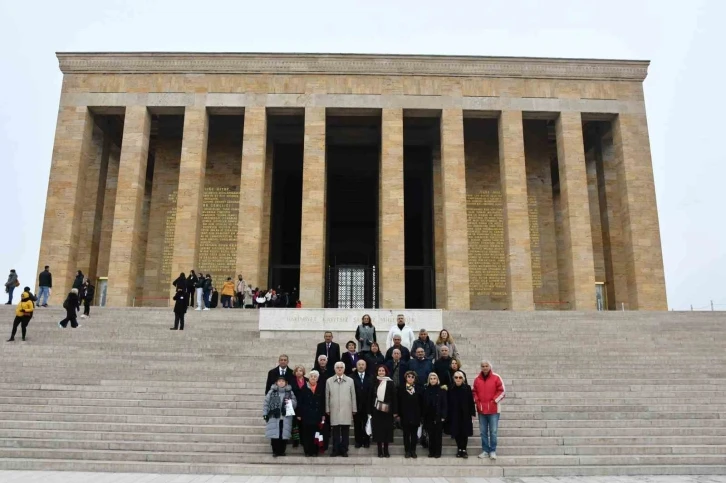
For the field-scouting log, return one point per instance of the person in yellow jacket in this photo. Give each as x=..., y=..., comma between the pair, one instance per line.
x=227, y=293
x=23, y=314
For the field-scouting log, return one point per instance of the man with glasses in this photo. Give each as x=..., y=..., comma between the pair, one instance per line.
x=488, y=392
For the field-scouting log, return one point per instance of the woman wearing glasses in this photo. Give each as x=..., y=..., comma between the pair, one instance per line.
x=409, y=410
x=461, y=412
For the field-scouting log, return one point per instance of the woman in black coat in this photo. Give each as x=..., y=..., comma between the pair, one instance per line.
x=310, y=412
x=373, y=358
x=191, y=287
x=410, y=402
x=435, y=411
x=383, y=409
x=71, y=305
x=461, y=412
x=180, y=307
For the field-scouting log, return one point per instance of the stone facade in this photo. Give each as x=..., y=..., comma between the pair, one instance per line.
x=541, y=175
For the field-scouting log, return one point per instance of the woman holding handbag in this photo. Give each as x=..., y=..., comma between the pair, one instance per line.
x=312, y=410
x=384, y=408
x=277, y=413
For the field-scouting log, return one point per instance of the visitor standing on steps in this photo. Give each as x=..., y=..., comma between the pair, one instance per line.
x=363, y=388
x=191, y=287
x=23, y=314
x=87, y=293
x=488, y=392
x=435, y=410
x=421, y=365
x=383, y=407
x=311, y=414
x=329, y=349
x=461, y=413
x=45, y=284
x=410, y=397
x=228, y=291
x=340, y=407
x=442, y=367
x=78, y=281
x=350, y=358
x=181, y=281
x=365, y=334
x=180, y=307
x=10, y=285
x=208, y=287
x=405, y=353
x=282, y=370
x=445, y=340
x=199, y=287
x=374, y=358
x=426, y=344
x=403, y=330
x=241, y=290
x=71, y=305
x=278, y=411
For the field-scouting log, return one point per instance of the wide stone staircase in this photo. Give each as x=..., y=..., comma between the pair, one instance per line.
x=587, y=394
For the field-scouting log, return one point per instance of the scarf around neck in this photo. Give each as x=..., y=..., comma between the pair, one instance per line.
x=411, y=389
x=381, y=392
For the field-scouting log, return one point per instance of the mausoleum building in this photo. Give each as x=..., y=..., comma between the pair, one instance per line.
x=360, y=180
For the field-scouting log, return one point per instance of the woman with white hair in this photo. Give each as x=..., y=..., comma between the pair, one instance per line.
x=71, y=304
x=435, y=410
x=311, y=412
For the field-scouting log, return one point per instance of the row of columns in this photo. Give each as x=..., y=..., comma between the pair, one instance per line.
x=72, y=149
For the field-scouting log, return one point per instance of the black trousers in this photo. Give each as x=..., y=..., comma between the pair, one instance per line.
x=279, y=445
x=307, y=437
x=340, y=438
x=178, y=321
x=434, y=429
x=190, y=294
x=461, y=442
x=86, y=308
x=410, y=437
x=23, y=323
x=70, y=318
x=359, y=429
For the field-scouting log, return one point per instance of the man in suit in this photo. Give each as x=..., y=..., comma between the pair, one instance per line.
x=350, y=358
x=405, y=353
x=397, y=368
x=363, y=388
x=329, y=349
x=280, y=370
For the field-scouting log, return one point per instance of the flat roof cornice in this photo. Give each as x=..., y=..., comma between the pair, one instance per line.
x=349, y=64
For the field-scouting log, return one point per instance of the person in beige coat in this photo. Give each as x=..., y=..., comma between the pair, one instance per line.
x=340, y=407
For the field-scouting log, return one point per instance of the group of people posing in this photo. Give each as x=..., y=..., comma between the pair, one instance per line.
x=426, y=396
x=234, y=293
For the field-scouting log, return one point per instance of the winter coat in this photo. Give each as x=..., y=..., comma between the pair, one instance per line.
x=180, y=282
x=427, y=345
x=201, y=281
x=241, y=286
x=78, y=282
x=45, y=279
x=405, y=353
x=452, y=350
x=362, y=391
x=191, y=283
x=409, y=405
x=365, y=335
x=402, y=369
x=180, y=303
x=228, y=288
x=71, y=304
x=88, y=292
x=461, y=410
x=12, y=280
x=350, y=361
x=421, y=368
x=208, y=283
x=381, y=422
x=488, y=393
x=435, y=404
x=25, y=307
x=311, y=405
x=274, y=374
x=406, y=334
x=272, y=429
x=373, y=361
x=442, y=368
x=340, y=400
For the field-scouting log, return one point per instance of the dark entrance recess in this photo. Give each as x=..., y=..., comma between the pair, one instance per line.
x=353, y=150
x=285, y=132
x=420, y=140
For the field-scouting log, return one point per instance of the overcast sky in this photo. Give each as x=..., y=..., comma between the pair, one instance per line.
x=684, y=90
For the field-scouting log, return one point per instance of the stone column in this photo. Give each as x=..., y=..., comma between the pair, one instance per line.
x=312, y=236
x=190, y=193
x=513, y=174
x=439, y=256
x=127, y=221
x=639, y=213
x=453, y=183
x=72, y=149
x=391, y=255
x=579, y=270
x=252, y=184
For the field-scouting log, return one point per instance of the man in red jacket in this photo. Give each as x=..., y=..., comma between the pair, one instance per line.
x=488, y=392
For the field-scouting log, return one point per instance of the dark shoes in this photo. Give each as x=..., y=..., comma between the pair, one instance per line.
x=173, y=328
x=357, y=445
x=10, y=340
x=408, y=455
x=386, y=454
x=463, y=454
x=414, y=455
x=380, y=453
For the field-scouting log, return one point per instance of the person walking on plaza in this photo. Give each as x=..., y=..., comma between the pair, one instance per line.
x=311, y=414
x=180, y=307
x=384, y=408
x=23, y=314
x=445, y=340
x=488, y=392
x=71, y=305
x=329, y=349
x=78, y=281
x=461, y=413
x=10, y=285
x=403, y=330
x=278, y=411
x=45, y=284
x=199, y=287
x=435, y=411
x=86, y=295
x=241, y=290
x=340, y=407
x=227, y=293
x=282, y=370
x=362, y=400
x=365, y=334
x=426, y=344
x=410, y=401
x=191, y=287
